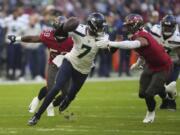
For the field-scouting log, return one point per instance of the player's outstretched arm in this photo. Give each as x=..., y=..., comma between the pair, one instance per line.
x=27, y=39
x=127, y=44
x=71, y=24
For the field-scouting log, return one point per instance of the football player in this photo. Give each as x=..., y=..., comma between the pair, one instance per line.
x=168, y=35
x=58, y=43
x=158, y=62
x=77, y=63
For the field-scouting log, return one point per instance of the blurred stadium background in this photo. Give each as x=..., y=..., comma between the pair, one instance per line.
x=105, y=107
x=29, y=62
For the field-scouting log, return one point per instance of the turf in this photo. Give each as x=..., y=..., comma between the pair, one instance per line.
x=101, y=108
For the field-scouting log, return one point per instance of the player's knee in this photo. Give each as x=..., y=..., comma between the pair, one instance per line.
x=141, y=95
x=57, y=86
x=71, y=97
x=149, y=94
x=64, y=103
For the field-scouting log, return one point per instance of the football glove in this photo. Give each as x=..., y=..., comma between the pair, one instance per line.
x=103, y=44
x=12, y=38
x=134, y=66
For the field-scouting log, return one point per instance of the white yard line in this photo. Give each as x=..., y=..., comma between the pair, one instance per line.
x=88, y=80
x=131, y=115
x=85, y=129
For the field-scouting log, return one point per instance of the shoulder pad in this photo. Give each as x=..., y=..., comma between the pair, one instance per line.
x=156, y=30
x=106, y=36
x=175, y=40
x=81, y=30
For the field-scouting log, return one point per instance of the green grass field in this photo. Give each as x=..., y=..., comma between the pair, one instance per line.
x=101, y=108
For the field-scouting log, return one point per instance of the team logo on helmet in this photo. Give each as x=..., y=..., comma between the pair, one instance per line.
x=133, y=23
x=96, y=23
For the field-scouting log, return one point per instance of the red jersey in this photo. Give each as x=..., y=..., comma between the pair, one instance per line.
x=55, y=47
x=154, y=54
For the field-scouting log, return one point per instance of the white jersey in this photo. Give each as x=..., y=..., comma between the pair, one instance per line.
x=14, y=26
x=84, y=50
x=172, y=42
x=32, y=31
x=169, y=44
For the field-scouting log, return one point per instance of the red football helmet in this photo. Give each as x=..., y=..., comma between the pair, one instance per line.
x=133, y=23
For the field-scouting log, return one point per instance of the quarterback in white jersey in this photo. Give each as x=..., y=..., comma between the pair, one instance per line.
x=84, y=51
x=77, y=63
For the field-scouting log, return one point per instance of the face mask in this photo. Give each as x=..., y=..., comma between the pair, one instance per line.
x=167, y=30
x=167, y=33
x=100, y=33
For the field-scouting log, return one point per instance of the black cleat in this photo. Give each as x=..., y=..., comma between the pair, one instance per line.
x=33, y=121
x=168, y=104
x=64, y=104
x=164, y=104
x=172, y=105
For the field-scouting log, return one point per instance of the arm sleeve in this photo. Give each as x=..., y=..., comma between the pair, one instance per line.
x=44, y=36
x=126, y=44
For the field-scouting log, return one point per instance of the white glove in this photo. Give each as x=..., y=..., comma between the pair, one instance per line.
x=134, y=66
x=12, y=38
x=171, y=89
x=103, y=44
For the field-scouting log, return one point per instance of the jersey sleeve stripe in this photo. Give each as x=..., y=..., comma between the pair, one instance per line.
x=155, y=34
x=80, y=34
x=174, y=42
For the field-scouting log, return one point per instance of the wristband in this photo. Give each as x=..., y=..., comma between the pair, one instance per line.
x=18, y=38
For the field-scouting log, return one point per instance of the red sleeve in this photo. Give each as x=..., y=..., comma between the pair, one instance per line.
x=45, y=35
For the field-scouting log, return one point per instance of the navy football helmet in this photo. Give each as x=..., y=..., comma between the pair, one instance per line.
x=59, y=34
x=168, y=25
x=96, y=23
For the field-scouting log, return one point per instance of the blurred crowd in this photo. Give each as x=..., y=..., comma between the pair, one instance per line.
x=30, y=17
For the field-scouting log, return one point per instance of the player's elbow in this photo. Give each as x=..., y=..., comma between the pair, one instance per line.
x=71, y=24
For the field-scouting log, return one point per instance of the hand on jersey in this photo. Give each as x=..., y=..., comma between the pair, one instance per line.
x=12, y=38
x=103, y=44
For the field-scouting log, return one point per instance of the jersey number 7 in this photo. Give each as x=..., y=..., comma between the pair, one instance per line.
x=86, y=49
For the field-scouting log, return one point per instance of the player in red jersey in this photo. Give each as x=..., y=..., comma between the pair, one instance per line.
x=158, y=63
x=58, y=43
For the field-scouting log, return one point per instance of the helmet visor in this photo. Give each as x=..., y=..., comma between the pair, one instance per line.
x=168, y=29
